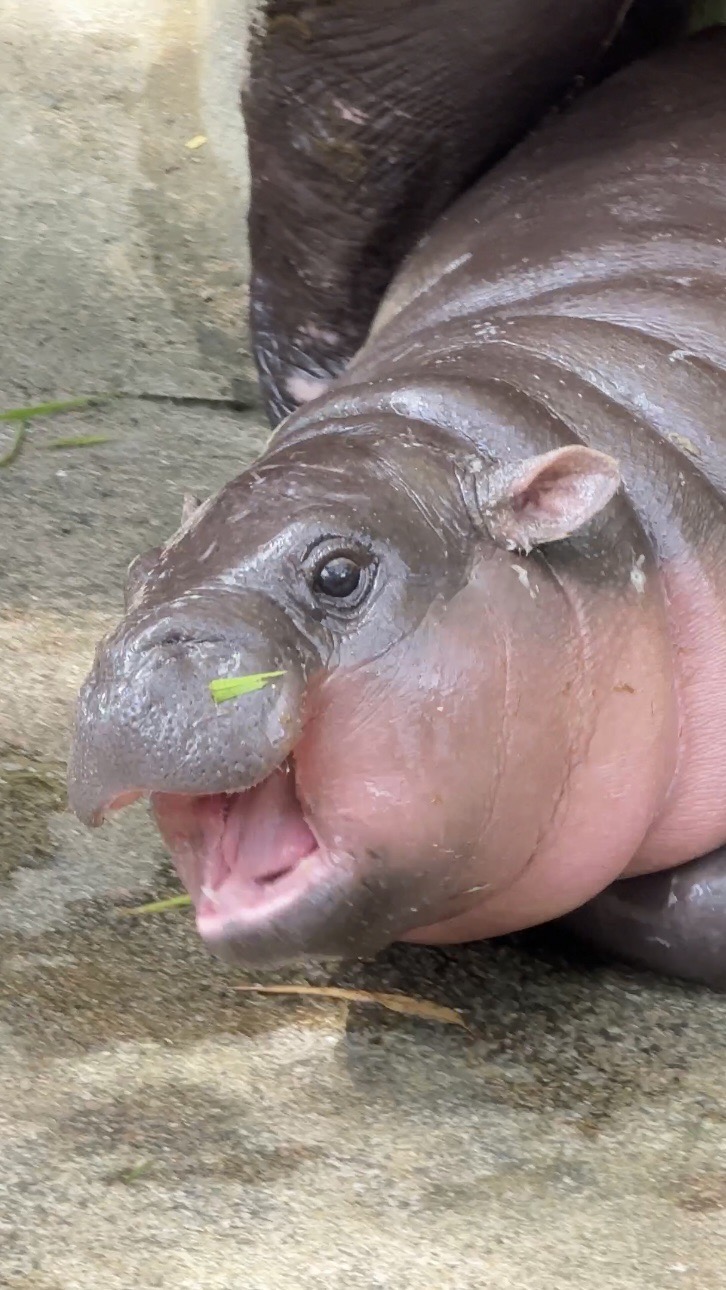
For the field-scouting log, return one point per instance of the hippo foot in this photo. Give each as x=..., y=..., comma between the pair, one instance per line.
x=672, y=922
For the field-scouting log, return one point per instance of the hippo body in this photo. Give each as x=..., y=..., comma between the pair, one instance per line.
x=488, y=564
x=365, y=121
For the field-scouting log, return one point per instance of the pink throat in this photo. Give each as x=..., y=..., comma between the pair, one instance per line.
x=240, y=855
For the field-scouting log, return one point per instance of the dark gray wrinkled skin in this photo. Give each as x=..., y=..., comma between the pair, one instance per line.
x=672, y=922
x=365, y=121
x=543, y=311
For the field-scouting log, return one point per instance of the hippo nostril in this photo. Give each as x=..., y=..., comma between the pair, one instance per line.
x=169, y=635
x=176, y=636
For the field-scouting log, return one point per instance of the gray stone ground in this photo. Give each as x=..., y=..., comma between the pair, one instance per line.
x=158, y=1129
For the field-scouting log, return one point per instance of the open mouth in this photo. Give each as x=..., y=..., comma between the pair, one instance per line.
x=243, y=857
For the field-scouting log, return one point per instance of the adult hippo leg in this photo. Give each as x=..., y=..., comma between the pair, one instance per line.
x=672, y=922
x=365, y=120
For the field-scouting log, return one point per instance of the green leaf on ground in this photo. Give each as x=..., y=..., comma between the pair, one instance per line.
x=158, y=906
x=52, y=409
x=14, y=449
x=132, y=1174
x=80, y=441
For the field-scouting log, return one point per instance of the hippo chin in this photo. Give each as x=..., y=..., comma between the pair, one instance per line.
x=488, y=566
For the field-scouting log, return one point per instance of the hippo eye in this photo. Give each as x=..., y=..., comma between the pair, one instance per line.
x=341, y=578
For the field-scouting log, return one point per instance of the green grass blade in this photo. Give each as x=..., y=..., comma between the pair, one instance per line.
x=231, y=687
x=52, y=409
x=80, y=441
x=16, y=445
x=158, y=906
x=133, y=1173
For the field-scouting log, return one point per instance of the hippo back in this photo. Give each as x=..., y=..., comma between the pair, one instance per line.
x=579, y=294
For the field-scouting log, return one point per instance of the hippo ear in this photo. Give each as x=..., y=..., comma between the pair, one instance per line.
x=546, y=498
x=137, y=573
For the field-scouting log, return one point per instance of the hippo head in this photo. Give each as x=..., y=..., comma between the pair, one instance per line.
x=345, y=802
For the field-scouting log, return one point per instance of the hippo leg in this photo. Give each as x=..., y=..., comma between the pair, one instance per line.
x=673, y=922
x=364, y=122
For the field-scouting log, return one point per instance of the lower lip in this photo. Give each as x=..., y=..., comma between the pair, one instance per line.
x=256, y=902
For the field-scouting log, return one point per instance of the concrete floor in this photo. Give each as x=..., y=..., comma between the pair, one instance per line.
x=158, y=1129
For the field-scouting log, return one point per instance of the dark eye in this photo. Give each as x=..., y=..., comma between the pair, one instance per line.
x=338, y=578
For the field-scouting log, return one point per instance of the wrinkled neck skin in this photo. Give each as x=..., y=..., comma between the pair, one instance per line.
x=534, y=801
x=573, y=799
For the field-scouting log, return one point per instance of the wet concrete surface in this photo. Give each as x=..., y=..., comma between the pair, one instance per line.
x=157, y=1127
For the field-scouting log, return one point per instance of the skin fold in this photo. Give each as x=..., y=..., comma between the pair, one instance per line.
x=489, y=563
x=365, y=121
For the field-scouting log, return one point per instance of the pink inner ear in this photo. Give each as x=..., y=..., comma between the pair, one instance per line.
x=547, y=498
x=551, y=492
x=534, y=496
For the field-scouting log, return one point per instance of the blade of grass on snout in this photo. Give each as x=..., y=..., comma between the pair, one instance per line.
x=231, y=687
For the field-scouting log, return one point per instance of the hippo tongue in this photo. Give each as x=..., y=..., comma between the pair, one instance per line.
x=265, y=833
x=231, y=850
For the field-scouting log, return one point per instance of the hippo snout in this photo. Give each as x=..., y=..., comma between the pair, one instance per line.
x=221, y=777
x=148, y=722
